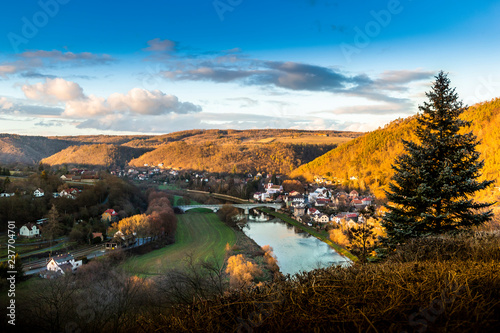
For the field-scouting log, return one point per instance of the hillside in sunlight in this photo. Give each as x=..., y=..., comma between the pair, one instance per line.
x=366, y=161
x=102, y=155
x=31, y=149
x=214, y=157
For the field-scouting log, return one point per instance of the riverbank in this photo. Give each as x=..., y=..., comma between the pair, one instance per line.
x=312, y=232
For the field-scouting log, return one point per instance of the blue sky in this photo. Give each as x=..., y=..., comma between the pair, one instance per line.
x=70, y=67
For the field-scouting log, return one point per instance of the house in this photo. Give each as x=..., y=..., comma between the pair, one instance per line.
x=367, y=201
x=313, y=211
x=323, y=218
x=322, y=202
x=121, y=239
x=352, y=217
x=29, y=230
x=357, y=203
x=295, y=199
x=39, y=193
x=272, y=189
x=109, y=215
x=299, y=211
x=63, y=264
x=353, y=194
x=70, y=193
x=66, y=177
x=5, y=195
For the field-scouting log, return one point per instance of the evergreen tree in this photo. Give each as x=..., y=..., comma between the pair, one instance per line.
x=434, y=181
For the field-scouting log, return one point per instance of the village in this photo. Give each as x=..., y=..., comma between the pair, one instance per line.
x=323, y=204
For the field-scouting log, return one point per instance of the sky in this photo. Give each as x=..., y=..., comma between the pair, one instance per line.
x=80, y=67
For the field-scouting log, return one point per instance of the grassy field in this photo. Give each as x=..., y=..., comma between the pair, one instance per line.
x=168, y=187
x=201, y=235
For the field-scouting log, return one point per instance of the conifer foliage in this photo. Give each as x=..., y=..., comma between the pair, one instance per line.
x=435, y=179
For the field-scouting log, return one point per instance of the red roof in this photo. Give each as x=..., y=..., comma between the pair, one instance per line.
x=111, y=212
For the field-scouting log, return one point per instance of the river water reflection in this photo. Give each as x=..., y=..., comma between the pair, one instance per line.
x=295, y=250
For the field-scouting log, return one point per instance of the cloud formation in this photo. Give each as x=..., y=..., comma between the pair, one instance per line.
x=136, y=101
x=5, y=104
x=293, y=76
x=158, y=45
x=6, y=69
x=286, y=75
x=56, y=56
x=53, y=91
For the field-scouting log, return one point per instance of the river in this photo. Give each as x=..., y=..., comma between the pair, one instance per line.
x=295, y=249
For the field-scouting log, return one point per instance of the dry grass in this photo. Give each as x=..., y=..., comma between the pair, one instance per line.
x=450, y=292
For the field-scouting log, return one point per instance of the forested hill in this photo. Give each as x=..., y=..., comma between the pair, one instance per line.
x=238, y=158
x=369, y=157
x=102, y=155
x=269, y=150
x=28, y=149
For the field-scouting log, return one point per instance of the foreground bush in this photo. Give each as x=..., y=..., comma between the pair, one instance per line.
x=389, y=297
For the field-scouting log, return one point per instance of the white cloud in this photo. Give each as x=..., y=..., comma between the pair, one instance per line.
x=87, y=107
x=5, y=104
x=154, y=102
x=136, y=101
x=53, y=91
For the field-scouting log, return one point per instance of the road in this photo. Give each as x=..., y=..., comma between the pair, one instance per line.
x=90, y=252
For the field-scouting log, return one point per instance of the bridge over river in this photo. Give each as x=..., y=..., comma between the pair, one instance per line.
x=245, y=207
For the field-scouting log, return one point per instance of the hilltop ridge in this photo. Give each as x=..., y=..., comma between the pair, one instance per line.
x=366, y=161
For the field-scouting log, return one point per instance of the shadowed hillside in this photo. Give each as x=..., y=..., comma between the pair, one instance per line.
x=369, y=157
x=28, y=149
x=97, y=155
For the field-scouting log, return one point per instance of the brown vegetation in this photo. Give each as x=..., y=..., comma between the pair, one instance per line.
x=369, y=157
x=103, y=155
x=235, y=158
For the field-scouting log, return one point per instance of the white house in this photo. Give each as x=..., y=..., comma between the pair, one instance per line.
x=367, y=201
x=63, y=264
x=2, y=195
x=261, y=196
x=39, y=193
x=29, y=230
x=69, y=193
x=272, y=189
